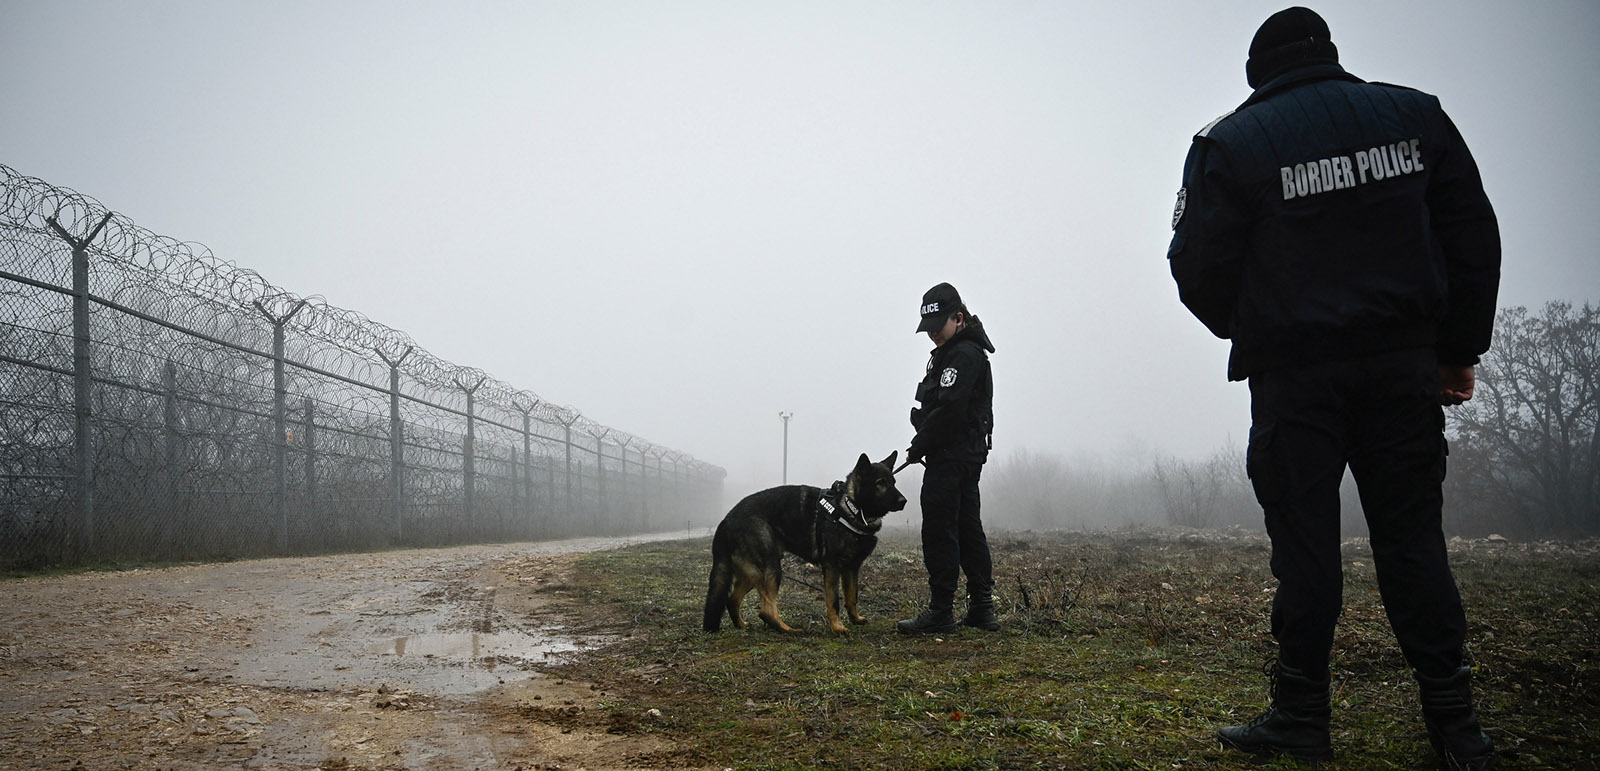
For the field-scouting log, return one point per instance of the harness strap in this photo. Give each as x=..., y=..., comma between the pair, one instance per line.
x=837, y=492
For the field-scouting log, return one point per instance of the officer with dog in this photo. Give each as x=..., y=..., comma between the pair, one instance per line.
x=953, y=425
x=1337, y=232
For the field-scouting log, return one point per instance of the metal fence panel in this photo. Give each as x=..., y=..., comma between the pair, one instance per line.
x=157, y=403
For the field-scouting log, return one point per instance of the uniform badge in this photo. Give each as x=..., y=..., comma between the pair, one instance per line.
x=947, y=378
x=1177, y=211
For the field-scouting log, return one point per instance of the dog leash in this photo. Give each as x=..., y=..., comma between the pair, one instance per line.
x=902, y=467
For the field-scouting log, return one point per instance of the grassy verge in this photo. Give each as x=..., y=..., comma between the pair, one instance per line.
x=1119, y=650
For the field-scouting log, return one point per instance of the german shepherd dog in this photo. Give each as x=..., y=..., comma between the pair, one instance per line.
x=835, y=528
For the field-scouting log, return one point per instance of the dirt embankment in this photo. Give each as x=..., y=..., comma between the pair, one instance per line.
x=413, y=659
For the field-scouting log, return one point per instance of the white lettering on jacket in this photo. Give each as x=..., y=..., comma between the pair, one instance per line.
x=1396, y=159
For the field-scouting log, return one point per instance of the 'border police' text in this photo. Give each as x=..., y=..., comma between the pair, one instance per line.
x=1343, y=171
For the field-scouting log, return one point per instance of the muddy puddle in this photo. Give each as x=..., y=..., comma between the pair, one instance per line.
x=431, y=627
x=403, y=659
x=487, y=650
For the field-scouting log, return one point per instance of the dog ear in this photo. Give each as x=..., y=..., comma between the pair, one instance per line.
x=863, y=462
x=889, y=461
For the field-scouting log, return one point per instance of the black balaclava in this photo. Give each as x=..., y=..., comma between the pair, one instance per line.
x=1290, y=38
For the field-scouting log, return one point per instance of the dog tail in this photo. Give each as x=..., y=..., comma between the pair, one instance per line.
x=721, y=582
x=717, y=595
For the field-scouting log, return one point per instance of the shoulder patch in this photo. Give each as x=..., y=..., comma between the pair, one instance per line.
x=947, y=378
x=1207, y=129
x=1177, y=211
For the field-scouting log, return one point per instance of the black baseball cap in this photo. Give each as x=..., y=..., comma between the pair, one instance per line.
x=937, y=305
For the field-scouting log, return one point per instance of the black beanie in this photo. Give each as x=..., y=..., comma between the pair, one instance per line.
x=1290, y=38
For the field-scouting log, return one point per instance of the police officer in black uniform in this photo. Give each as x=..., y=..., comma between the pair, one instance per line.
x=953, y=425
x=1337, y=232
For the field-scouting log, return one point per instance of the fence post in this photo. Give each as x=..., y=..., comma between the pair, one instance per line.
x=644, y=485
x=468, y=471
x=644, y=491
x=516, y=489
x=397, y=456
x=662, y=500
x=550, y=490
x=82, y=377
x=527, y=471
x=600, y=476
x=626, y=507
x=669, y=485
x=527, y=461
x=169, y=455
x=568, y=426
x=280, y=421
x=308, y=439
x=677, y=485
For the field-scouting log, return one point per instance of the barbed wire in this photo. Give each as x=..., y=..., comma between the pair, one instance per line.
x=207, y=286
x=187, y=376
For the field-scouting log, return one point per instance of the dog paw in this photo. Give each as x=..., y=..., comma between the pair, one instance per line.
x=778, y=625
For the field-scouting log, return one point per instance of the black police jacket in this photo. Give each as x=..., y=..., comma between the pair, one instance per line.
x=1329, y=218
x=957, y=397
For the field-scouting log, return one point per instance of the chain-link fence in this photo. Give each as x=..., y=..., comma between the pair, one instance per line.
x=157, y=403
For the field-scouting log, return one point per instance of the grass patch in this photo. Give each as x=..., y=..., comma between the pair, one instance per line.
x=1118, y=650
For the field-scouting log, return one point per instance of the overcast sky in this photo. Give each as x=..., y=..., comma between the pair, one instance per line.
x=683, y=217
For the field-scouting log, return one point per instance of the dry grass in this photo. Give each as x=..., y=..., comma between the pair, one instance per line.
x=1119, y=650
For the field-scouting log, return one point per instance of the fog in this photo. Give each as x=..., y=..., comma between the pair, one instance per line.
x=683, y=218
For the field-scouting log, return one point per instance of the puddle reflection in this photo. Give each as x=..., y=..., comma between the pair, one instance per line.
x=484, y=648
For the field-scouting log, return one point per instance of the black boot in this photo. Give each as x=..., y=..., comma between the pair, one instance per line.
x=1296, y=724
x=937, y=619
x=1452, y=724
x=980, y=613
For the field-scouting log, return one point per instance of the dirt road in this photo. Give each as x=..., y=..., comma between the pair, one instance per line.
x=413, y=659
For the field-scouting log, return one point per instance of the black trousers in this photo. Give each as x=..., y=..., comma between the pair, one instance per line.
x=1381, y=416
x=953, y=541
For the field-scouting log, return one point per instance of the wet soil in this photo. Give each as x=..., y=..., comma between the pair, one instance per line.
x=424, y=659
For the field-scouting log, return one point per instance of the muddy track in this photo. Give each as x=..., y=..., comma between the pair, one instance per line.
x=425, y=659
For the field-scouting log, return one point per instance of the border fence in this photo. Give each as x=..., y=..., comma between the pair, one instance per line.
x=157, y=403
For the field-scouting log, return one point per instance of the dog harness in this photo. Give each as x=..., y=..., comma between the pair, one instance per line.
x=840, y=500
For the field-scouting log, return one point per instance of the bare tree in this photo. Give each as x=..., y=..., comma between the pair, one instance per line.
x=1029, y=490
x=1044, y=490
x=1525, y=453
x=1207, y=493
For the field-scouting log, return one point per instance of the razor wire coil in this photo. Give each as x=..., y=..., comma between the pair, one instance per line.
x=177, y=452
